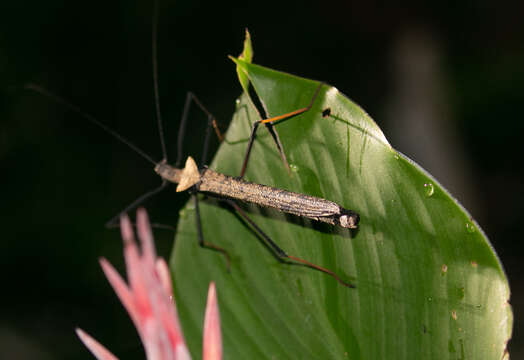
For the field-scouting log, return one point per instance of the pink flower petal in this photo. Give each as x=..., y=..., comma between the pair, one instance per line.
x=97, y=349
x=146, y=236
x=164, y=276
x=212, y=344
x=121, y=289
x=148, y=298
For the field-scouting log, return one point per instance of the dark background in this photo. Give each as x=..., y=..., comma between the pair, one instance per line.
x=444, y=81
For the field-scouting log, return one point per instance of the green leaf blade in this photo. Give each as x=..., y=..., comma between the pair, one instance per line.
x=246, y=56
x=428, y=283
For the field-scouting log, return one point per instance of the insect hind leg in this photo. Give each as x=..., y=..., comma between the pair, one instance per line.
x=281, y=253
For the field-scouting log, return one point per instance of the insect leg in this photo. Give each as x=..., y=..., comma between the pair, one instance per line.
x=271, y=121
x=114, y=222
x=201, y=241
x=281, y=253
x=190, y=97
x=207, y=138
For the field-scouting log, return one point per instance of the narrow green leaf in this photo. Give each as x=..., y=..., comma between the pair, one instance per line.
x=429, y=285
x=247, y=56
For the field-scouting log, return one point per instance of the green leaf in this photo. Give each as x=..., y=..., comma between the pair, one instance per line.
x=247, y=56
x=429, y=285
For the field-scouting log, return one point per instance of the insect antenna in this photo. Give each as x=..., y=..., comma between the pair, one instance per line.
x=155, y=81
x=89, y=117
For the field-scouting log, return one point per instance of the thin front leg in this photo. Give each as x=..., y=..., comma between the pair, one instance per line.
x=201, y=241
x=114, y=222
x=281, y=253
x=190, y=98
x=271, y=121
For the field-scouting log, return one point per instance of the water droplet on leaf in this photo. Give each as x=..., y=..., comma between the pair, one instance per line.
x=429, y=189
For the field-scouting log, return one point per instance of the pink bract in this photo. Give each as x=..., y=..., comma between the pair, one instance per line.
x=149, y=300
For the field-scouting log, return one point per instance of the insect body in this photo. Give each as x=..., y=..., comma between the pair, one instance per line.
x=220, y=185
x=223, y=186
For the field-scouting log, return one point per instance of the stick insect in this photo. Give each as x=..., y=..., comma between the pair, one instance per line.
x=195, y=180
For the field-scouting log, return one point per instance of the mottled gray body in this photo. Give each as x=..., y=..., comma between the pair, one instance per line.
x=217, y=184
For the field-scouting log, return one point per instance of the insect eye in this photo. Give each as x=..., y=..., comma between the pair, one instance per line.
x=344, y=221
x=349, y=221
